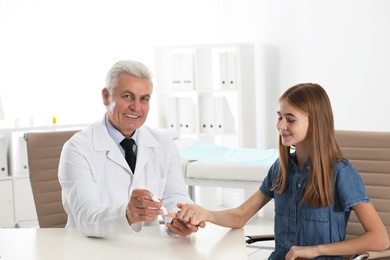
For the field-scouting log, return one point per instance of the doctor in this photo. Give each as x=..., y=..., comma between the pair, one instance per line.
x=101, y=194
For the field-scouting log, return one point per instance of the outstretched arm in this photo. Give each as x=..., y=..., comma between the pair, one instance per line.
x=233, y=218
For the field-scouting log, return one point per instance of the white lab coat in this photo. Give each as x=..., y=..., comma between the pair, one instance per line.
x=97, y=181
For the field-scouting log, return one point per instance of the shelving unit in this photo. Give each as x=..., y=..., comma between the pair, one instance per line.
x=16, y=199
x=208, y=92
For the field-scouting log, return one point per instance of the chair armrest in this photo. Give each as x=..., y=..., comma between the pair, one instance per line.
x=258, y=238
x=378, y=254
x=360, y=256
x=372, y=255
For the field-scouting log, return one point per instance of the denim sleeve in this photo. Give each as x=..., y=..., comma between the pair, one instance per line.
x=349, y=186
x=270, y=180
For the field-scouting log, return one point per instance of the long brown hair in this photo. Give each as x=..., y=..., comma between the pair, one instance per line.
x=311, y=99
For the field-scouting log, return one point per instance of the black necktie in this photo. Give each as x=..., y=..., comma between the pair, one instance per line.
x=127, y=144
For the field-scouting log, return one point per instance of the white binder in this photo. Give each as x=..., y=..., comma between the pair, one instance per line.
x=3, y=157
x=186, y=115
x=23, y=157
x=183, y=71
x=231, y=70
x=172, y=120
x=224, y=120
x=206, y=114
x=227, y=70
x=19, y=155
x=223, y=71
x=176, y=71
x=187, y=73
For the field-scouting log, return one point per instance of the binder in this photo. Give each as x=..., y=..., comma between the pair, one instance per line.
x=206, y=114
x=186, y=115
x=227, y=70
x=172, y=120
x=19, y=155
x=231, y=70
x=224, y=120
x=176, y=71
x=187, y=73
x=223, y=71
x=183, y=71
x=23, y=157
x=3, y=157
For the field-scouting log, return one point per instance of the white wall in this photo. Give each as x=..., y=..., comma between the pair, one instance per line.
x=54, y=54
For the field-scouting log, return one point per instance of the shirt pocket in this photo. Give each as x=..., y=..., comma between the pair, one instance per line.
x=311, y=214
x=314, y=226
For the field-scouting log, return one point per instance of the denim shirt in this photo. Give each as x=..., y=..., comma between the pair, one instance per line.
x=299, y=224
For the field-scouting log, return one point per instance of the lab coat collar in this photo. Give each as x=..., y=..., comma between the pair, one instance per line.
x=102, y=141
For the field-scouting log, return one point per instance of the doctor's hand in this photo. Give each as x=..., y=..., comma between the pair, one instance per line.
x=185, y=221
x=183, y=229
x=141, y=208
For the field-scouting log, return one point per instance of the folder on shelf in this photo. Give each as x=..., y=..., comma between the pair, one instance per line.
x=183, y=71
x=206, y=114
x=23, y=156
x=224, y=120
x=176, y=71
x=172, y=122
x=223, y=71
x=186, y=115
x=3, y=157
x=187, y=73
x=231, y=70
x=19, y=155
x=227, y=70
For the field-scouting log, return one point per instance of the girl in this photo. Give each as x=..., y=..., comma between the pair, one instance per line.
x=311, y=185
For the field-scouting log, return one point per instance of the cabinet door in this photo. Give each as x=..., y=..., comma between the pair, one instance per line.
x=24, y=201
x=6, y=204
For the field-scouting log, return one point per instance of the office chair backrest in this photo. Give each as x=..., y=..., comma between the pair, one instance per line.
x=44, y=150
x=369, y=152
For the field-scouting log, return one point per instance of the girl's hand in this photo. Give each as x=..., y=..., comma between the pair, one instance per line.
x=191, y=214
x=302, y=252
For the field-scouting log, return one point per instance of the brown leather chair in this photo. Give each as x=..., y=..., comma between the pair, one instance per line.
x=44, y=150
x=369, y=152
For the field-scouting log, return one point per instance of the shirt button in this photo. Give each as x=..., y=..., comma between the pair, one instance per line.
x=299, y=185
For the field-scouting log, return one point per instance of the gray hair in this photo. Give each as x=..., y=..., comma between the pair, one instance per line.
x=131, y=67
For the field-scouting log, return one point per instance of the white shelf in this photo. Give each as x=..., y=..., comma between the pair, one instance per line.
x=7, y=128
x=208, y=91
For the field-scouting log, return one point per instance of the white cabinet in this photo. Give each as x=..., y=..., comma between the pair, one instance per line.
x=208, y=91
x=3, y=157
x=6, y=203
x=17, y=205
x=16, y=202
x=23, y=201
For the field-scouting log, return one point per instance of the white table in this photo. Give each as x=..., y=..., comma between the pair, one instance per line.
x=212, y=242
